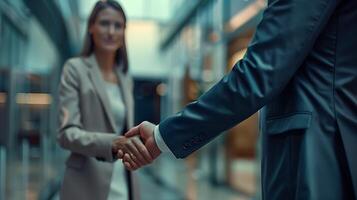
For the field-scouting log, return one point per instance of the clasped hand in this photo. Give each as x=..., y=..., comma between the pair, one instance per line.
x=138, y=148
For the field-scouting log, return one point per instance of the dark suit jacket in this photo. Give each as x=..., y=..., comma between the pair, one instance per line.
x=302, y=66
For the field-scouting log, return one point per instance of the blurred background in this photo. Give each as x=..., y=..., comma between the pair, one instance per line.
x=177, y=50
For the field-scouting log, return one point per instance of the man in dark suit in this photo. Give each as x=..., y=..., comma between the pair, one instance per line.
x=301, y=68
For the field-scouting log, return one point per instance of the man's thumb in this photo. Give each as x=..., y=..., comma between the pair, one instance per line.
x=132, y=132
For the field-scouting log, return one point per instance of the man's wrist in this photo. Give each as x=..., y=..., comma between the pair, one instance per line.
x=160, y=141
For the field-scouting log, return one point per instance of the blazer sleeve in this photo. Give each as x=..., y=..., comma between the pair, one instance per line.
x=283, y=39
x=71, y=134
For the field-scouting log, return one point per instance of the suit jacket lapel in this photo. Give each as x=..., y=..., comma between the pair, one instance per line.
x=98, y=82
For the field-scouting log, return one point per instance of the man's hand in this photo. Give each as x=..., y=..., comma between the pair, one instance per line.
x=133, y=147
x=146, y=132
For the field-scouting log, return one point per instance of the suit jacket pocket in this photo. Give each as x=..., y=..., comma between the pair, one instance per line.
x=285, y=123
x=76, y=161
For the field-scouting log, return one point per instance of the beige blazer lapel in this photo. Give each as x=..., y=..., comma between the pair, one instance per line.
x=98, y=83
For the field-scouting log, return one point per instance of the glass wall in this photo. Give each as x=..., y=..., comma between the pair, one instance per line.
x=29, y=62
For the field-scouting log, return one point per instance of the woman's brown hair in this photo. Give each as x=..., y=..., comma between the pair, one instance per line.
x=121, y=56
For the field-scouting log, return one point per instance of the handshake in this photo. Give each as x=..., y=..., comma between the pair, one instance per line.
x=138, y=147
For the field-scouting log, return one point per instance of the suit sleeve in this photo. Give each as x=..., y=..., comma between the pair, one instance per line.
x=282, y=41
x=71, y=134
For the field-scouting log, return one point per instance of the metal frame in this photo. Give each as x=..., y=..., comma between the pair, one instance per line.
x=182, y=20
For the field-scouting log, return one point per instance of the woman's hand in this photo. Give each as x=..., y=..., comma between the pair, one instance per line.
x=134, y=147
x=146, y=132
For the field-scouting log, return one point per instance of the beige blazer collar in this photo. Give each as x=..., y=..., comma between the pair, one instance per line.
x=98, y=82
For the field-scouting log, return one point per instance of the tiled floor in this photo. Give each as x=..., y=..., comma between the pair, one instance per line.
x=179, y=180
x=167, y=179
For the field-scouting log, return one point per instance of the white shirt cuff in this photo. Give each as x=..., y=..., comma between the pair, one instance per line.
x=159, y=141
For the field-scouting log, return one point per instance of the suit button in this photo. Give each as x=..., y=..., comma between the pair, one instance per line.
x=194, y=141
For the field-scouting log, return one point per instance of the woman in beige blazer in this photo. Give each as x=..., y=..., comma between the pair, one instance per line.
x=96, y=108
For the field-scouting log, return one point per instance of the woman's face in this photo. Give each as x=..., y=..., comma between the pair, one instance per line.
x=108, y=30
